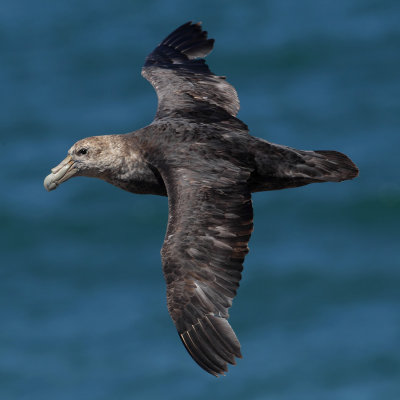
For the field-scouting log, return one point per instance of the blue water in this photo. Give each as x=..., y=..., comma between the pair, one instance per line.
x=82, y=297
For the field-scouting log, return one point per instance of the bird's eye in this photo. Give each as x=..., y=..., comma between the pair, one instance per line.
x=82, y=151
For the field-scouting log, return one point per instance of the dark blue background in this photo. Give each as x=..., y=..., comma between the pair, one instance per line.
x=82, y=297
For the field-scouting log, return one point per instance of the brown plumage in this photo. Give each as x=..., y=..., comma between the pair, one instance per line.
x=202, y=157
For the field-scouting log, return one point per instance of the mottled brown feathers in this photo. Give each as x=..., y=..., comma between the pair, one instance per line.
x=210, y=165
x=202, y=157
x=210, y=224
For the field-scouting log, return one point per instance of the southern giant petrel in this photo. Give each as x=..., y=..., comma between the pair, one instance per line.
x=203, y=158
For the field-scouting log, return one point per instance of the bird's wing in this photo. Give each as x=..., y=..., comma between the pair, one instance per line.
x=181, y=78
x=209, y=226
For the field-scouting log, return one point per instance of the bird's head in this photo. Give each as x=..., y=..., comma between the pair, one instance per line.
x=94, y=157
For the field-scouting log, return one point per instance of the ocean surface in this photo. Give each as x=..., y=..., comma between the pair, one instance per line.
x=82, y=296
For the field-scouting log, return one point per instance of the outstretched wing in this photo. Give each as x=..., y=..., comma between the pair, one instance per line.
x=210, y=223
x=182, y=79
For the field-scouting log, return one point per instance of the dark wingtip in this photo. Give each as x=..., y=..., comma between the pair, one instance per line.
x=213, y=344
x=190, y=39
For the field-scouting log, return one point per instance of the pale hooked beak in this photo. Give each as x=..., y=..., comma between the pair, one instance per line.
x=60, y=174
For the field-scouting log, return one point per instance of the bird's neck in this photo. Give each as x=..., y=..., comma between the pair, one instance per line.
x=130, y=170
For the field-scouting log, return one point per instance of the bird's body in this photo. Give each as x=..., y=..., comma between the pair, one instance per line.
x=200, y=155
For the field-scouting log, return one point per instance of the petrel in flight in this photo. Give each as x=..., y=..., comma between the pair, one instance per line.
x=200, y=155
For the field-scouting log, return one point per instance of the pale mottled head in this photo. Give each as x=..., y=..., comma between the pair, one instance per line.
x=96, y=156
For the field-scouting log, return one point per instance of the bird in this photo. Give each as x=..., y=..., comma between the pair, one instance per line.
x=199, y=154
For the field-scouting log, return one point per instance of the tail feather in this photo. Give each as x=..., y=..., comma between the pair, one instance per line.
x=339, y=166
x=281, y=167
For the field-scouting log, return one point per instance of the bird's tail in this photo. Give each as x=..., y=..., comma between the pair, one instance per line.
x=334, y=166
x=281, y=167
